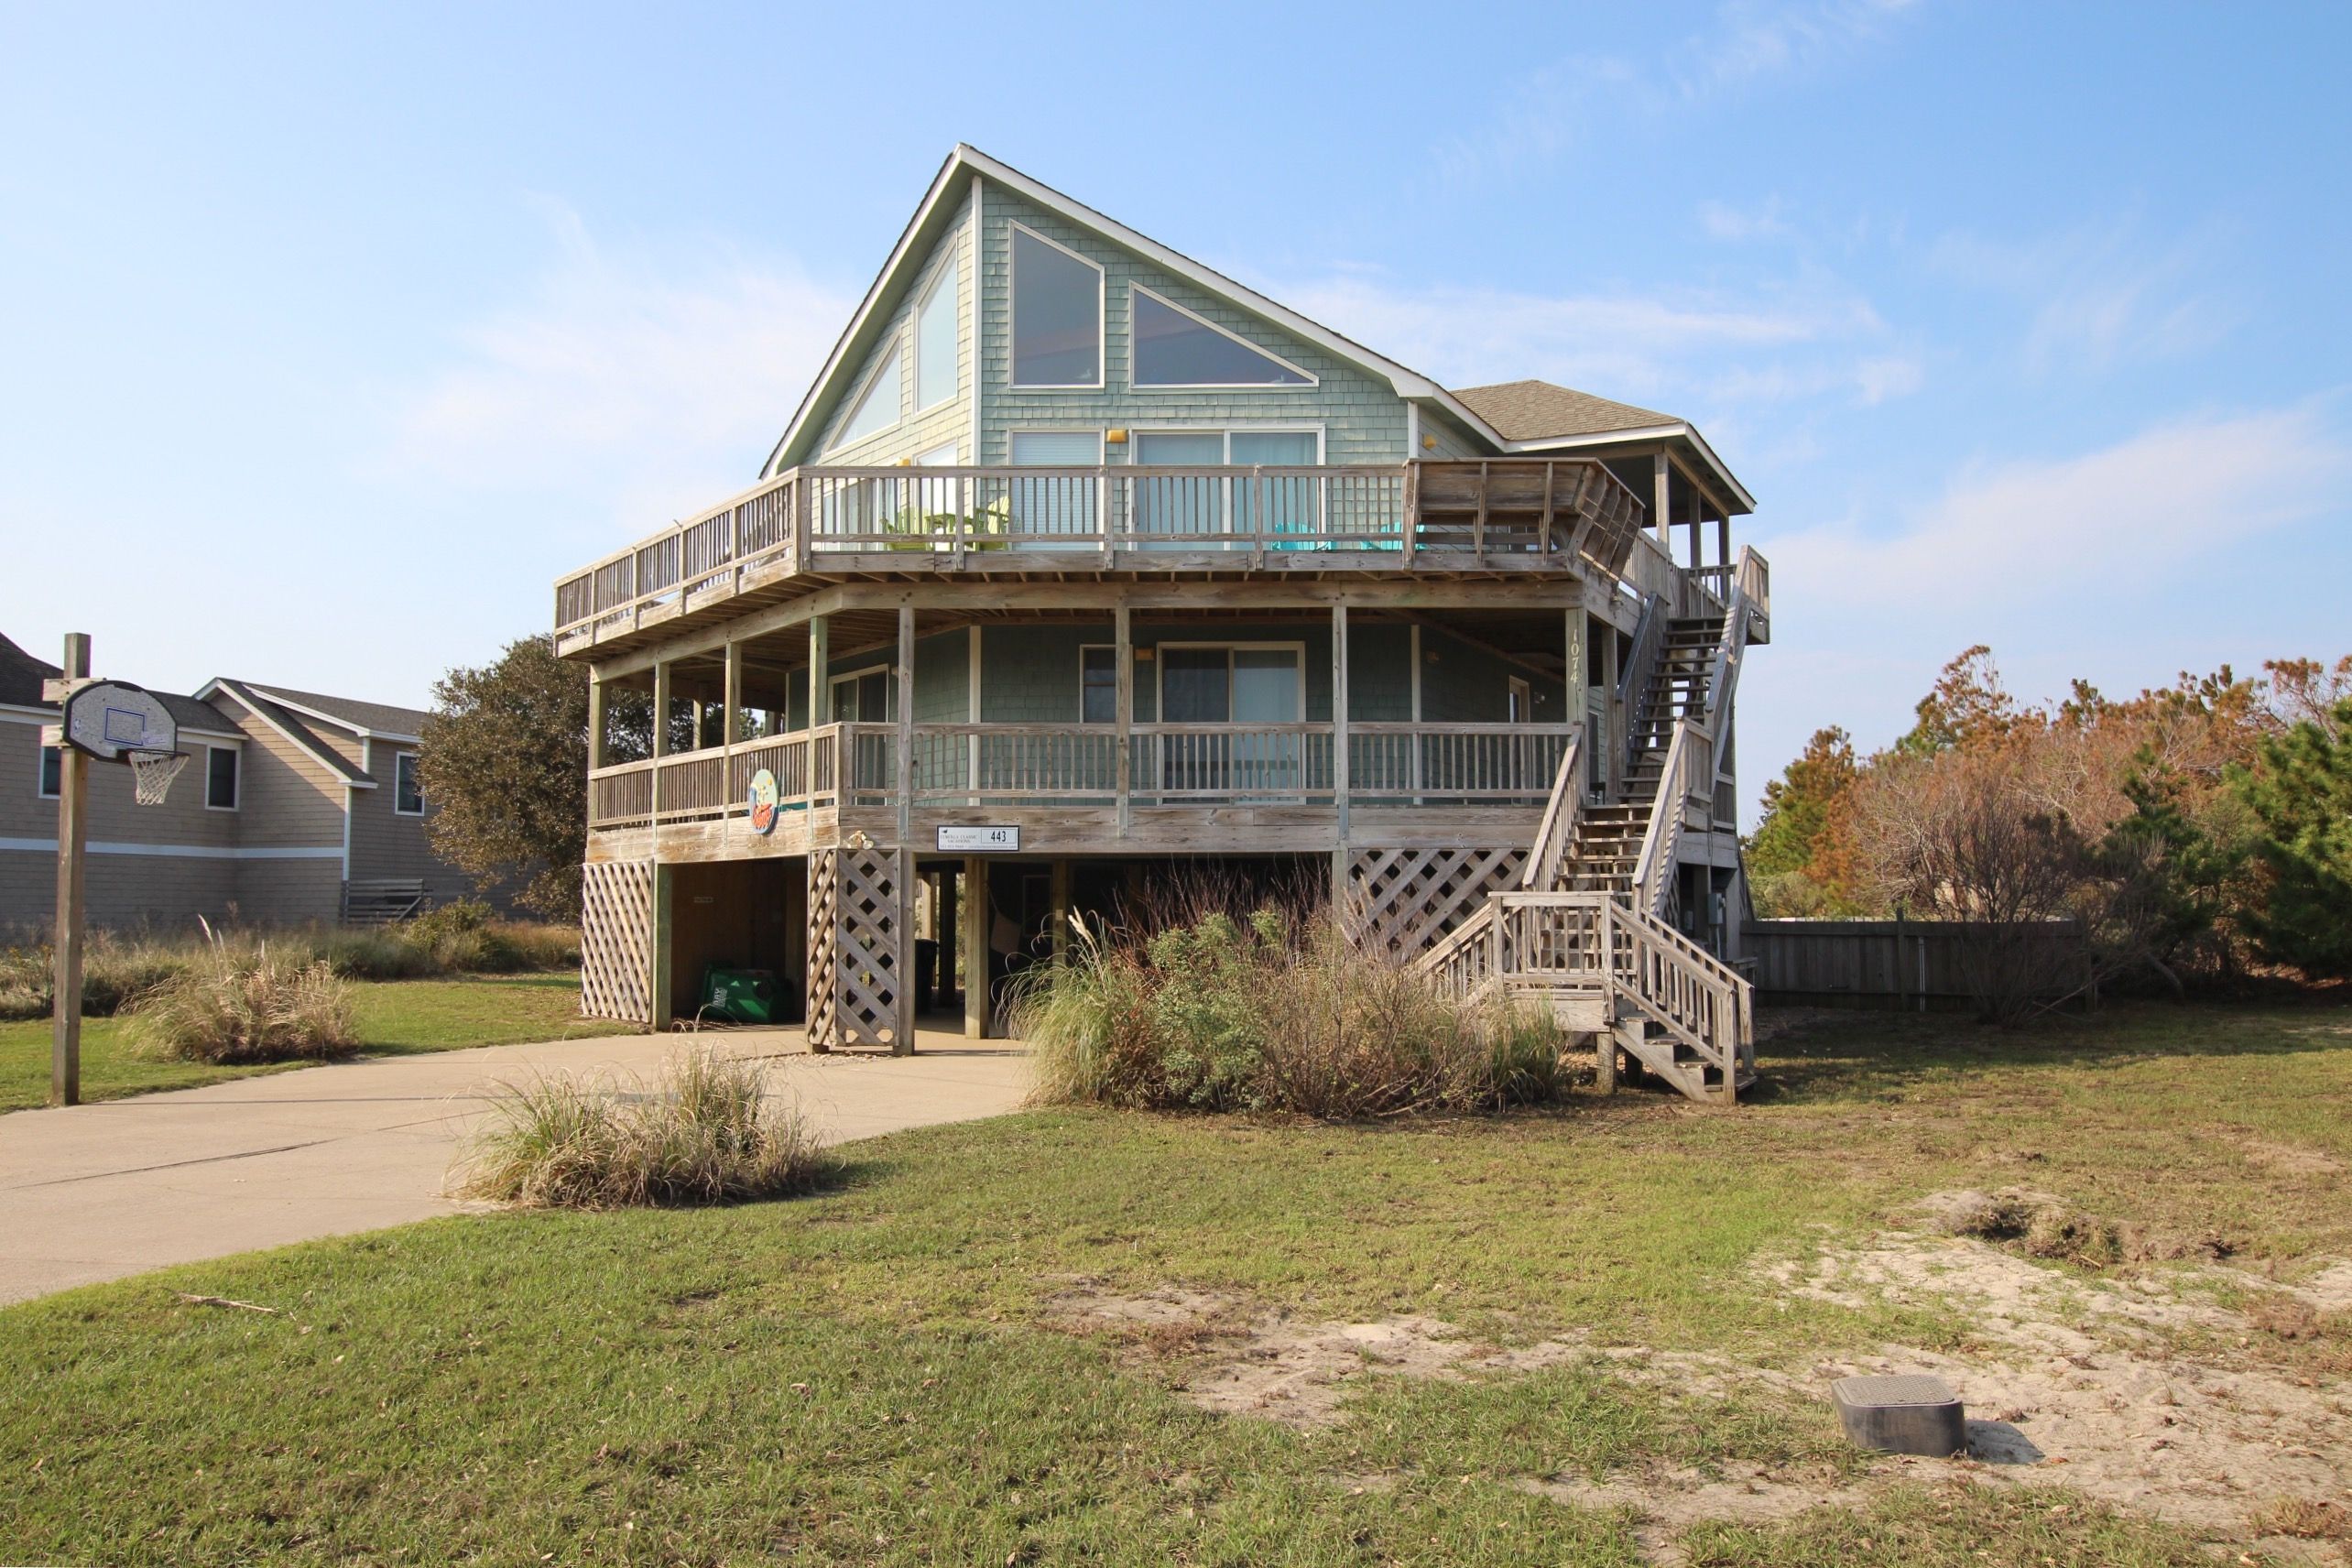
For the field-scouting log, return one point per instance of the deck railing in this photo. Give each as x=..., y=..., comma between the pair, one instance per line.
x=1143, y=517
x=1429, y=765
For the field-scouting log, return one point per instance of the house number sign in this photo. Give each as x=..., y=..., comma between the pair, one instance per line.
x=1003, y=840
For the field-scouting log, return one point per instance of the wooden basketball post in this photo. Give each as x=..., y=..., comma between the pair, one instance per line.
x=72, y=834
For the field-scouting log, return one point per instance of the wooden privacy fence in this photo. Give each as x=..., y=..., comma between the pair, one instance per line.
x=1892, y=963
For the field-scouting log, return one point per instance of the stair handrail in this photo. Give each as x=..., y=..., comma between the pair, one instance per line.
x=1463, y=960
x=1652, y=872
x=1687, y=990
x=1641, y=666
x=1556, y=835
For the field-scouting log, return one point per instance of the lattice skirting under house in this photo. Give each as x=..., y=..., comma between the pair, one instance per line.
x=1401, y=901
x=858, y=962
x=616, y=939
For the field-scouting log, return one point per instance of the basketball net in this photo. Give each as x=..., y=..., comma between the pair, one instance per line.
x=152, y=773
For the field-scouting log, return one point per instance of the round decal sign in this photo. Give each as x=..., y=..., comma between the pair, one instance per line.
x=763, y=802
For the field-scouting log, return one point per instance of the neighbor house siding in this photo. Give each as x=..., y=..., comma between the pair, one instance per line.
x=916, y=431
x=1363, y=418
x=122, y=889
x=291, y=801
x=386, y=845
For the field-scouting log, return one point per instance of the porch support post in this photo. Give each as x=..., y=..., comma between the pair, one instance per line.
x=1123, y=712
x=599, y=744
x=1612, y=719
x=731, y=721
x=944, y=923
x=902, y=1039
x=1060, y=910
x=1339, y=781
x=660, y=742
x=1414, y=643
x=976, y=948
x=820, y=671
x=1659, y=491
x=665, y=901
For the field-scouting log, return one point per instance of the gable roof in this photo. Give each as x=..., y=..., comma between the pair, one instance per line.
x=380, y=720
x=285, y=722
x=21, y=675
x=1531, y=410
x=937, y=214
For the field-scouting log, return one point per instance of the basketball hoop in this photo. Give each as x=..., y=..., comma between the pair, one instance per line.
x=152, y=773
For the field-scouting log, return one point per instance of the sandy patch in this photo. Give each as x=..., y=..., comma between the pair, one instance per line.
x=1666, y=1499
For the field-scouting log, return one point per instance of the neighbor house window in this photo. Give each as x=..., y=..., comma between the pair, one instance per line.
x=1057, y=315
x=52, y=772
x=878, y=409
x=1098, y=683
x=220, y=778
x=407, y=799
x=1173, y=347
x=936, y=340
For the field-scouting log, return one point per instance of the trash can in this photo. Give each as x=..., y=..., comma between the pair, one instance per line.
x=926, y=973
x=739, y=996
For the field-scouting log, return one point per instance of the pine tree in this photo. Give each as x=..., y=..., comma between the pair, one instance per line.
x=2301, y=793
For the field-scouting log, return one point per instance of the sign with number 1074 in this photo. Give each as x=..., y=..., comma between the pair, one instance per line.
x=1001, y=841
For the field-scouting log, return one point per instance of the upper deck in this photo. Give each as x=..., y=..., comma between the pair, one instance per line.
x=813, y=526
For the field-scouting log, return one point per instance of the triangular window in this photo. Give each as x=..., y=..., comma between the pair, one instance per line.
x=878, y=409
x=1174, y=347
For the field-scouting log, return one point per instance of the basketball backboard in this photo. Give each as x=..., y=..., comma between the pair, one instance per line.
x=112, y=720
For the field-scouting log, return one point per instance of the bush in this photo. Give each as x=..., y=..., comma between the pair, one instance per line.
x=1274, y=1013
x=239, y=1004
x=702, y=1136
x=115, y=972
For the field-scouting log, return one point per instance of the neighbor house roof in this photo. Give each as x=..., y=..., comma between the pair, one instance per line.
x=21, y=675
x=1531, y=410
x=289, y=724
x=379, y=719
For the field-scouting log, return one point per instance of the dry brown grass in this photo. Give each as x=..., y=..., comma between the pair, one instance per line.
x=231, y=1006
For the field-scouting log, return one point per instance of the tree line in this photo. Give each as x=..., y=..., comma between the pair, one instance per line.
x=2200, y=833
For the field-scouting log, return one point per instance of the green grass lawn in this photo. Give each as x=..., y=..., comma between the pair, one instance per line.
x=880, y=1374
x=396, y=1017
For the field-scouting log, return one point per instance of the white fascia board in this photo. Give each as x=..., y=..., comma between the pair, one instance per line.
x=246, y=700
x=1679, y=430
x=1404, y=380
x=17, y=713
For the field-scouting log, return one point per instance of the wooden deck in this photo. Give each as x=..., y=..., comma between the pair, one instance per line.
x=812, y=526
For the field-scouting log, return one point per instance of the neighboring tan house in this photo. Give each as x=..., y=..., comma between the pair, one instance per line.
x=293, y=808
x=1083, y=567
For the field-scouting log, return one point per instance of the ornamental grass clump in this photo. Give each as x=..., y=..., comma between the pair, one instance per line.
x=233, y=1003
x=1274, y=1011
x=702, y=1134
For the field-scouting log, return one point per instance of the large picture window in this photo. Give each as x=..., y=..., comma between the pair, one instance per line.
x=878, y=409
x=1057, y=315
x=935, y=377
x=1173, y=347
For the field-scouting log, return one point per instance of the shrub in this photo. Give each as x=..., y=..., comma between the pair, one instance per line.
x=232, y=1004
x=1274, y=1012
x=115, y=972
x=703, y=1135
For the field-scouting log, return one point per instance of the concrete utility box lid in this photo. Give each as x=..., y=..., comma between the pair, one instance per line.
x=1908, y=1413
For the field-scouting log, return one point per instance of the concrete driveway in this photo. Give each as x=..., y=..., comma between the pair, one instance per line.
x=102, y=1191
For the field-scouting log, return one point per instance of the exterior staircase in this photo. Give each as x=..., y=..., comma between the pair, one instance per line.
x=1588, y=931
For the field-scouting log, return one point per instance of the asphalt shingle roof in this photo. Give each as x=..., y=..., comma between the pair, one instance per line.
x=1534, y=410
x=380, y=717
x=21, y=675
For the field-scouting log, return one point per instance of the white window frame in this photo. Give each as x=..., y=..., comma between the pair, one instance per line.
x=1229, y=429
x=40, y=766
x=894, y=358
x=1522, y=697
x=954, y=267
x=1312, y=380
x=236, y=796
x=1012, y=320
x=1160, y=692
x=850, y=678
x=398, y=758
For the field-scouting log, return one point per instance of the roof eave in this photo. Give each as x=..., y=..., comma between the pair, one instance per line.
x=1679, y=429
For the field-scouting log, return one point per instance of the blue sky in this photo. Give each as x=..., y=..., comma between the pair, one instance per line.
x=331, y=334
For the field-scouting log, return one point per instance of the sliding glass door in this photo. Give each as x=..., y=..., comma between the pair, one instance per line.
x=1241, y=686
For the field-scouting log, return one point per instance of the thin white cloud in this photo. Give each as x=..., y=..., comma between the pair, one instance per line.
x=1722, y=221
x=1548, y=112
x=2100, y=294
x=1809, y=340
x=2082, y=527
x=652, y=384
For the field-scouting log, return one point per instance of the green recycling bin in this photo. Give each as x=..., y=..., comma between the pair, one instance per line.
x=739, y=996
